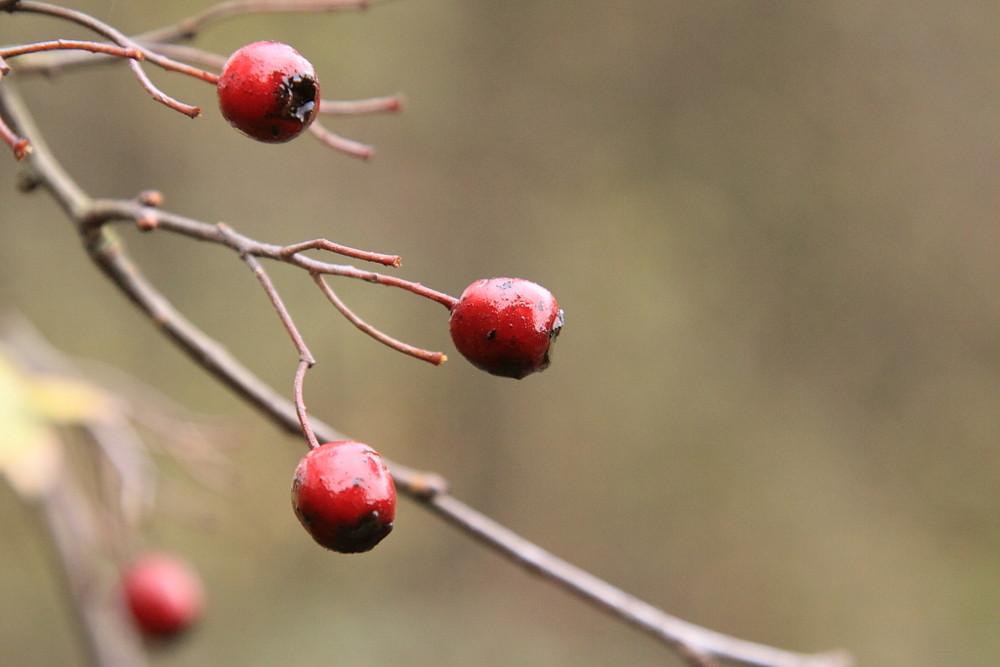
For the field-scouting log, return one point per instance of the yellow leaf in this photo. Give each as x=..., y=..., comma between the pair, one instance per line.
x=30, y=454
x=62, y=400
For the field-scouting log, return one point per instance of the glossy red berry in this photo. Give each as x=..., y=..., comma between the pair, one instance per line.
x=506, y=326
x=268, y=92
x=163, y=593
x=344, y=496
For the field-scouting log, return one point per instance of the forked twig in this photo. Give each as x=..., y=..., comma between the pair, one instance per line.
x=121, y=39
x=149, y=218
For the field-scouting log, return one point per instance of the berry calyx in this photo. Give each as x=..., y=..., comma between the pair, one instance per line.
x=344, y=496
x=163, y=594
x=506, y=326
x=268, y=92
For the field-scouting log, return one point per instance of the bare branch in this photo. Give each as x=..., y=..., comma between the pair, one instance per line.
x=699, y=646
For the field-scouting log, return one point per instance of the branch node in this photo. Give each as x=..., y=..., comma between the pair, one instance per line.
x=153, y=198
x=426, y=485
x=148, y=221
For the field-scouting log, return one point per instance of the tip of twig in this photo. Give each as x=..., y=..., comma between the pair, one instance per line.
x=342, y=144
x=436, y=358
x=398, y=101
x=22, y=149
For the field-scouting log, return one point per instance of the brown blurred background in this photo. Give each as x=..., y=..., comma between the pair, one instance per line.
x=774, y=410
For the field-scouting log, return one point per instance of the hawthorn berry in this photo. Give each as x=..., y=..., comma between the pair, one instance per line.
x=506, y=326
x=344, y=496
x=268, y=92
x=163, y=594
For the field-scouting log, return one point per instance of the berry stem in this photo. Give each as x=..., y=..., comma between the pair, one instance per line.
x=186, y=53
x=300, y=404
x=435, y=358
x=306, y=359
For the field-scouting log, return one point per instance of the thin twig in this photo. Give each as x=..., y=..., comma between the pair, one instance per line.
x=189, y=27
x=330, y=246
x=387, y=104
x=20, y=146
x=339, y=143
x=73, y=45
x=430, y=356
x=306, y=359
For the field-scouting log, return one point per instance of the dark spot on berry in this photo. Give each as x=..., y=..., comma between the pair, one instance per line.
x=491, y=334
x=297, y=98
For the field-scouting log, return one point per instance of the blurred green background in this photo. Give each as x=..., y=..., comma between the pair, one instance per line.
x=774, y=409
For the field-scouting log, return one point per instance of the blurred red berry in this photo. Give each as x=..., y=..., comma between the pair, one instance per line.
x=163, y=593
x=344, y=496
x=506, y=326
x=268, y=92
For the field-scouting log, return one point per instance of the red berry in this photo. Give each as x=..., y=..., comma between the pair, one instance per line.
x=344, y=496
x=506, y=326
x=268, y=92
x=164, y=594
